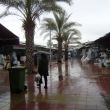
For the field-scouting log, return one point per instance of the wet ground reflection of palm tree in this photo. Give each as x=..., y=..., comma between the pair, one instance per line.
x=17, y=101
x=50, y=74
x=67, y=75
x=30, y=82
x=42, y=100
x=30, y=100
x=60, y=71
x=72, y=62
x=66, y=68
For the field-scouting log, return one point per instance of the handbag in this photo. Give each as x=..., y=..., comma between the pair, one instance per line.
x=37, y=78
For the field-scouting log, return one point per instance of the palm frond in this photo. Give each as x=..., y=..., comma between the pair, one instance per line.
x=42, y=32
x=57, y=21
x=46, y=35
x=67, y=1
x=6, y=13
x=48, y=24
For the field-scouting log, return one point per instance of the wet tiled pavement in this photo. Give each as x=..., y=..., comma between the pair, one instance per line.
x=82, y=87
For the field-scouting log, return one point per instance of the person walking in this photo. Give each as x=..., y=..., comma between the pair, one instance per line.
x=43, y=69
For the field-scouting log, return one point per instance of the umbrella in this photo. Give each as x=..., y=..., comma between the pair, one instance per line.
x=7, y=37
x=40, y=52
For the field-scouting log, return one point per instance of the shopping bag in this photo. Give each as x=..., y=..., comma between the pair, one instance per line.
x=37, y=77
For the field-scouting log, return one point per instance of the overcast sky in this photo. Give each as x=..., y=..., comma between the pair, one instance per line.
x=94, y=16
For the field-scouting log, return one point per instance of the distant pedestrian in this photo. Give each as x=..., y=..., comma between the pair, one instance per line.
x=2, y=61
x=14, y=60
x=23, y=60
x=8, y=62
x=43, y=68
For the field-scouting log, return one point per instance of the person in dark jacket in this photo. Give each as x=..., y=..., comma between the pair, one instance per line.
x=43, y=68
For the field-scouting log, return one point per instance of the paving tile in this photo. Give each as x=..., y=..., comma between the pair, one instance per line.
x=80, y=107
x=81, y=89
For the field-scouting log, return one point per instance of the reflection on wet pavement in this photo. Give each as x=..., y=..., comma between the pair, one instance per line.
x=82, y=87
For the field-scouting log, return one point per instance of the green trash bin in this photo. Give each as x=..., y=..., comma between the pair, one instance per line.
x=17, y=79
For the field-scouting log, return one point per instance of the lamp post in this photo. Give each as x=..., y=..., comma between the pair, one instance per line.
x=50, y=48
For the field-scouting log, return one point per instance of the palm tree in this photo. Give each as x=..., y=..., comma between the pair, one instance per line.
x=29, y=11
x=58, y=25
x=70, y=37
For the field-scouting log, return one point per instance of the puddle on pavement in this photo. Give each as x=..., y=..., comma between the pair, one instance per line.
x=75, y=75
x=107, y=100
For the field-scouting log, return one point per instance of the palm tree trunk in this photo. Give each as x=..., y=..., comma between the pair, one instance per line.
x=66, y=52
x=60, y=51
x=60, y=58
x=29, y=33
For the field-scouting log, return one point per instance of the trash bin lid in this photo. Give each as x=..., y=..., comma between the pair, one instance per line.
x=17, y=67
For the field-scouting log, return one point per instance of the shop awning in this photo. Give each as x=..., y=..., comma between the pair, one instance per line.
x=104, y=41
x=7, y=37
